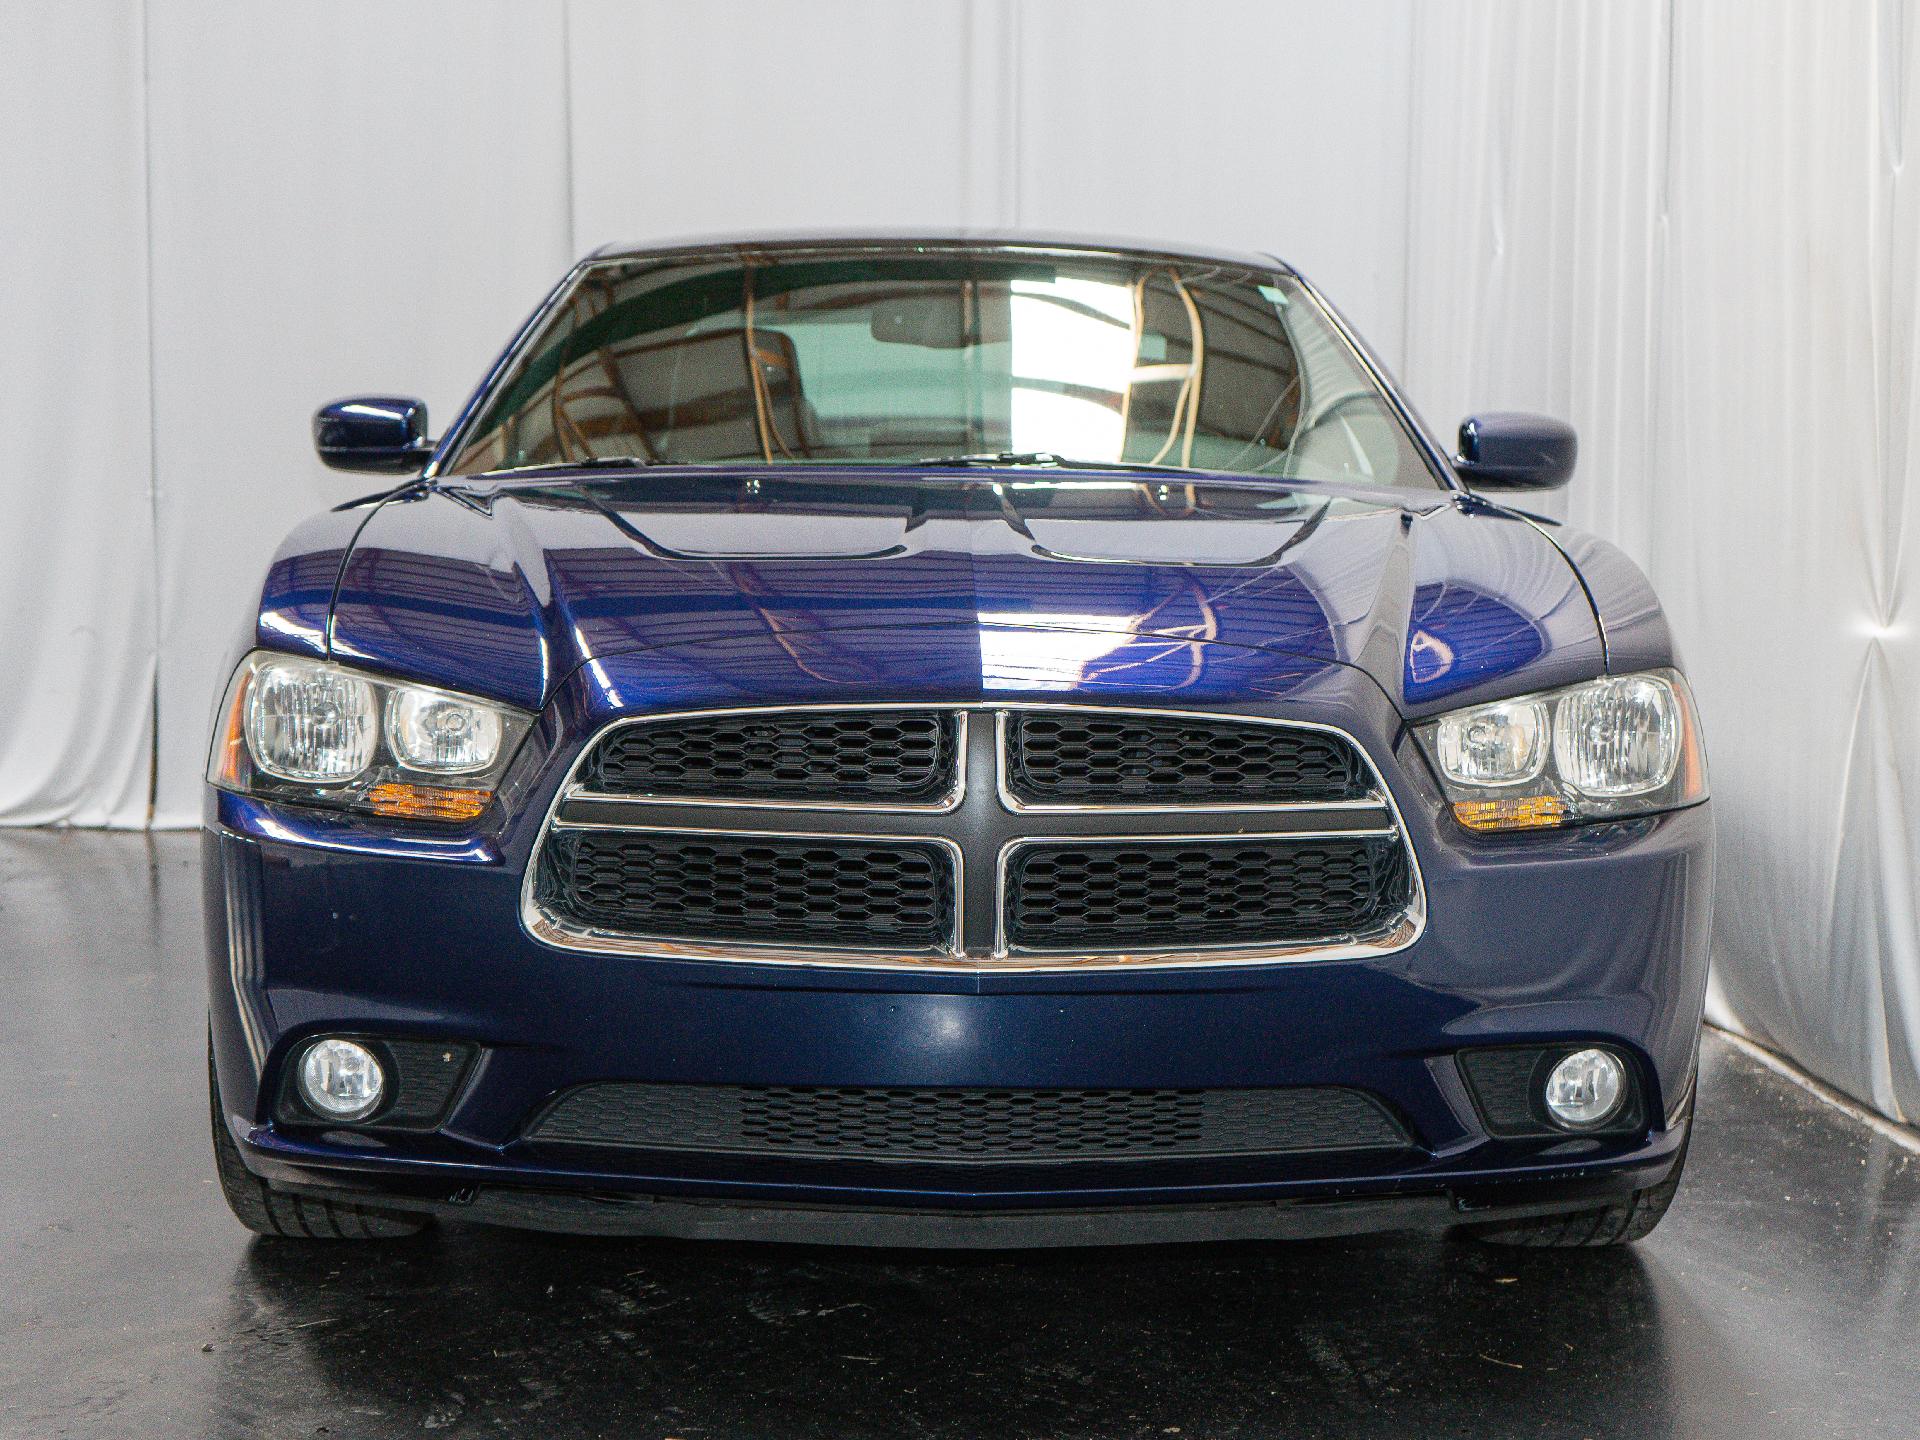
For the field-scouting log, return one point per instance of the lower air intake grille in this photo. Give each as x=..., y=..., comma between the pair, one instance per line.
x=931, y=1125
x=1174, y=894
x=843, y=893
x=840, y=756
x=1087, y=758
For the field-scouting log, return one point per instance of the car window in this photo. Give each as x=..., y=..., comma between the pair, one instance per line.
x=897, y=355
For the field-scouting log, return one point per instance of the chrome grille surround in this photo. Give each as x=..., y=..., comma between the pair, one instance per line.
x=980, y=944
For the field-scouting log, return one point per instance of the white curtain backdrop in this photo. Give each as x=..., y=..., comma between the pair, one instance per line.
x=78, y=643
x=1680, y=223
x=1684, y=226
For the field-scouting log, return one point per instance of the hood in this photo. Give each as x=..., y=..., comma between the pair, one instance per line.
x=962, y=586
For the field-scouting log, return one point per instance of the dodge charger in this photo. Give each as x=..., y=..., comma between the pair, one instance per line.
x=952, y=740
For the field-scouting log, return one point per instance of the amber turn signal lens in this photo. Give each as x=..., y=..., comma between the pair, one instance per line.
x=427, y=802
x=229, y=766
x=1522, y=812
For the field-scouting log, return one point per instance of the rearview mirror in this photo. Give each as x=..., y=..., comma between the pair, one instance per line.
x=934, y=321
x=1509, y=451
x=386, y=433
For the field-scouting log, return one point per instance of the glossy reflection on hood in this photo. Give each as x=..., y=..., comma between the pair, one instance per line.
x=507, y=588
x=1461, y=636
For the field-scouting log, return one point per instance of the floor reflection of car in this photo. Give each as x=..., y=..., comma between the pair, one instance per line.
x=992, y=741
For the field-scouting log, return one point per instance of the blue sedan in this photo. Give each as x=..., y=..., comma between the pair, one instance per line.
x=964, y=741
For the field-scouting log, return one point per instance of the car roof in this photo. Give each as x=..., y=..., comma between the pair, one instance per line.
x=762, y=240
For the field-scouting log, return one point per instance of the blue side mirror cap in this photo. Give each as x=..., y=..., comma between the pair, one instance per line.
x=1505, y=450
x=385, y=433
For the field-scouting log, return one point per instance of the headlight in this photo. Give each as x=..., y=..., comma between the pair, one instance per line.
x=317, y=733
x=1496, y=744
x=1619, y=746
x=1618, y=737
x=442, y=734
x=308, y=721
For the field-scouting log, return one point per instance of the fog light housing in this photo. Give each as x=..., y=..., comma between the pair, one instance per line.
x=1586, y=1089
x=341, y=1080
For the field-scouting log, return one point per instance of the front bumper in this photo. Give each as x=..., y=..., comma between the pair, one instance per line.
x=1598, y=935
x=1312, y=1211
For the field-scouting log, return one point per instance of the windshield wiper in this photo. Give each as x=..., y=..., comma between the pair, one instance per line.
x=989, y=460
x=1015, y=459
x=592, y=462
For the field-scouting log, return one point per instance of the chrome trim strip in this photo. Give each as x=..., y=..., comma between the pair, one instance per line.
x=1248, y=951
x=1410, y=926
x=1375, y=801
x=945, y=805
x=543, y=924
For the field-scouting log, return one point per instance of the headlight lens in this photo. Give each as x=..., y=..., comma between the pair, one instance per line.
x=317, y=733
x=309, y=721
x=1618, y=737
x=442, y=734
x=1496, y=744
x=1614, y=747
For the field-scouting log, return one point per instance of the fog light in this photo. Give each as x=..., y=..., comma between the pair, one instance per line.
x=1586, y=1089
x=341, y=1080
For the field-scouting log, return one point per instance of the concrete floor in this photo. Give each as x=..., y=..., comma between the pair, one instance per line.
x=1781, y=1297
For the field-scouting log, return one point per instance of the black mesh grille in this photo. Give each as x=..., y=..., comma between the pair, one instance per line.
x=844, y=893
x=1502, y=1081
x=850, y=756
x=1092, y=759
x=858, y=1122
x=1171, y=894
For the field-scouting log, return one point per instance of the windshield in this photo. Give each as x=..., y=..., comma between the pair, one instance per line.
x=895, y=355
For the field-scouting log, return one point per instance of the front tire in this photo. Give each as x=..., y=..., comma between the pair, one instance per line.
x=265, y=1211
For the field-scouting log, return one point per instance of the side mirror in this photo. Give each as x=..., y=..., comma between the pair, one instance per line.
x=373, y=432
x=1507, y=451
